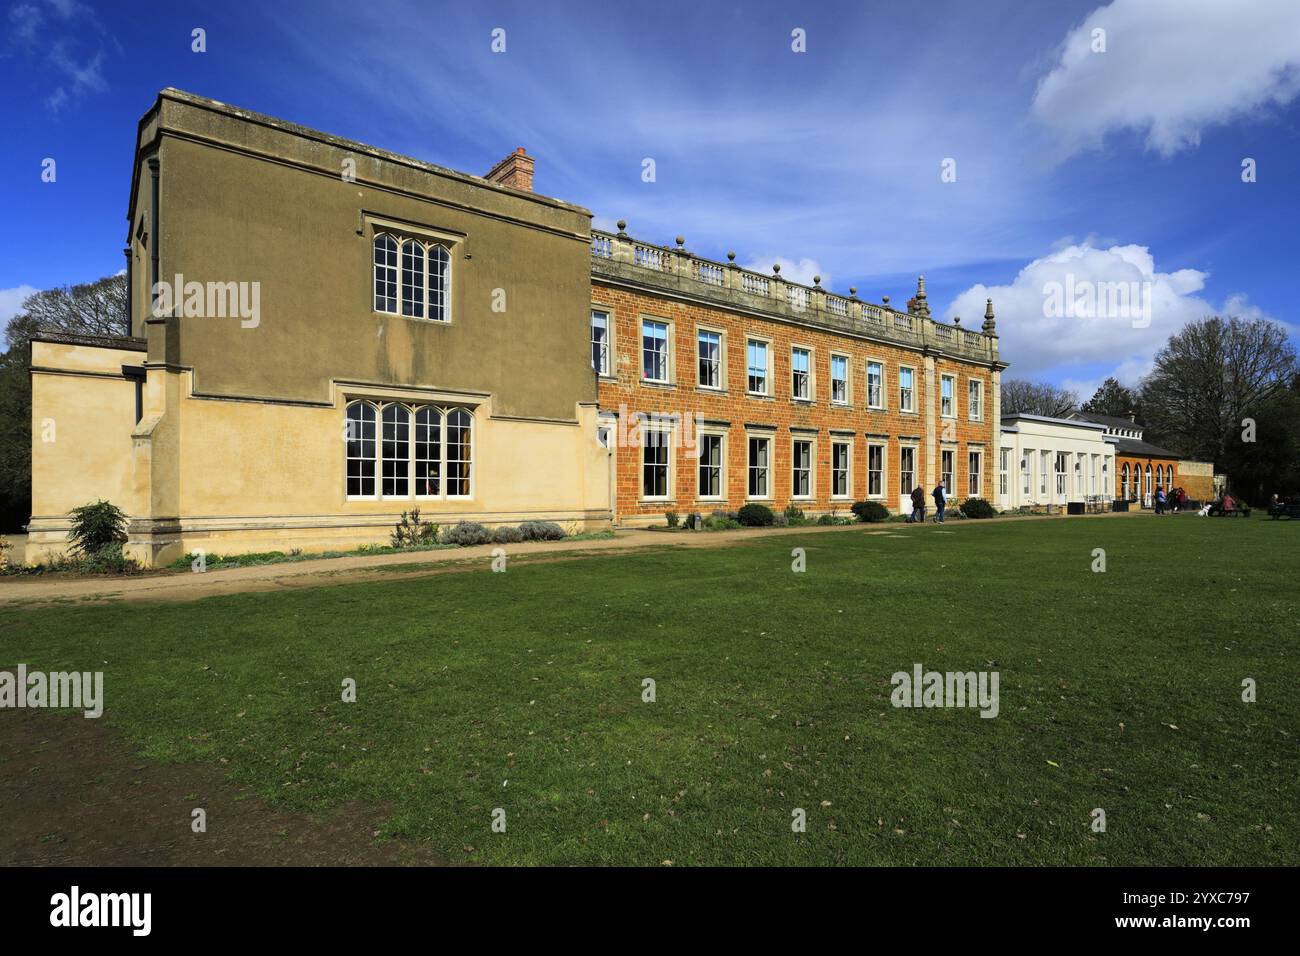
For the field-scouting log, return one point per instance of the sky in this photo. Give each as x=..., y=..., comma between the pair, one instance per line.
x=1004, y=150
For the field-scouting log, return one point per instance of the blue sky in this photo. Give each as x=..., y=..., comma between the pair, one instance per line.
x=1104, y=165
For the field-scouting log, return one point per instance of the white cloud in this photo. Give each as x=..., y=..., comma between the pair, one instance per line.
x=1075, y=341
x=11, y=301
x=1171, y=68
x=802, y=271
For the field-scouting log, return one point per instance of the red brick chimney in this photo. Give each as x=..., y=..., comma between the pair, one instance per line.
x=515, y=170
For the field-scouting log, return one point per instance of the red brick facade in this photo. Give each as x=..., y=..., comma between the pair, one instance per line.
x=1137, y=465
x=737, y=415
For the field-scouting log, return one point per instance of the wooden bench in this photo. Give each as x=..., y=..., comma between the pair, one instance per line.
x=1285, y=509
x=1217, y=512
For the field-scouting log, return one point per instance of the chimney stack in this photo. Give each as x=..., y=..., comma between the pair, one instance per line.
x=515, y=170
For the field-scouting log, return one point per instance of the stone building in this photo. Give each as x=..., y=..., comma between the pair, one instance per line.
x=325, y=335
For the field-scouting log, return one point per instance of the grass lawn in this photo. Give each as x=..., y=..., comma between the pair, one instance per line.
x=1120, y=690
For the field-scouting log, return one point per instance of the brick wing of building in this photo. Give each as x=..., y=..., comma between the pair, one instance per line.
x=720, y=386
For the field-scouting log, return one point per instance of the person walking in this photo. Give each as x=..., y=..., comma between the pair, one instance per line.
x=1160, y=501
x=918, y=505
x=940, y=502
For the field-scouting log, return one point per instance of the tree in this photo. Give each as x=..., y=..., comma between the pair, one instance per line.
x=1209, y=378
x=1270, y=464
x=92, y=308
x=1037, y=398
x=1113, y=399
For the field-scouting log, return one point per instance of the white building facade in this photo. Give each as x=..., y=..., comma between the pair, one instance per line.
x=1053, y=462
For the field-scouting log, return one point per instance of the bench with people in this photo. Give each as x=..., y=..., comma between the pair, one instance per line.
x=1225, y=507
x=1290, y=508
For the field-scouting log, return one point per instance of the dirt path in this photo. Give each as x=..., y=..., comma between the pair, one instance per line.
x=74, y=793
x=190, y=586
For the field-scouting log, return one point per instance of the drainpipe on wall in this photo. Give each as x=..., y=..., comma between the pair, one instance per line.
x=153, y=230
x=130, y=313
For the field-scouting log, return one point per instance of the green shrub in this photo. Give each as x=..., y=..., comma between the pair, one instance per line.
x=541, y=531
x=720, y=522
x=108, y=560
x=411, y=532
x=466, y=533
x=870, y=511
x=977, y=508
x=671, y=517
x=754, y=515
x=793, y=515
x=95, y=526
x=507, y=534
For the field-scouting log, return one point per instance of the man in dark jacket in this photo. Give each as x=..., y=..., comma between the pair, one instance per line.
x=918, y=505
x=940, y=501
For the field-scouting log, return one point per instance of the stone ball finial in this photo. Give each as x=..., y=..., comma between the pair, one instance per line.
x=853, y=290
x=956, y=320
x=680, y=242
x=884, y=299
x=622, y=224
x=731, y=257
x=776, y=268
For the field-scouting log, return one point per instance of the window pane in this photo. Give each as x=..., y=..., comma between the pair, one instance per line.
x=799, y=361
x=396, y=458
x=757, y=353
x=840, y=470
x=758, y=465
x=907, y=469
x=385, y=274
x=654, y=459
x=428, y=452
x=802, y=466
x=439, y=284
x=360, y=440
x=710, y=355
x=710, y=466
x=654, y=349
x=839, y=378
x=876, y=471
x=875, y=382
x=413, y=278
x=905, y=389
x=600, y=342
x=459, y=452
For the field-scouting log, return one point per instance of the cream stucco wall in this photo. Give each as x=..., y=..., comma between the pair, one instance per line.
x=1025, y=438
x=83, y=410
x=237, y=476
